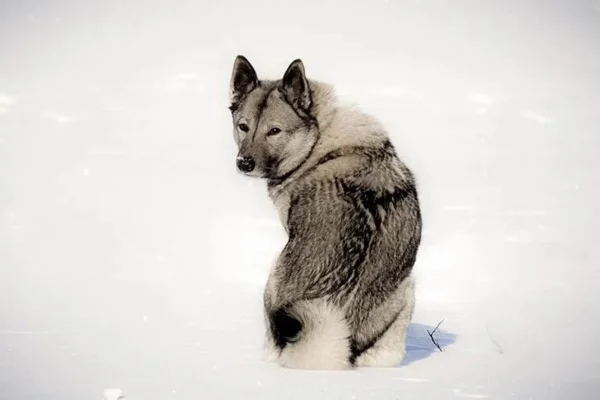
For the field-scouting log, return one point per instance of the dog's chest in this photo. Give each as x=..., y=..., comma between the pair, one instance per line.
x=281, y=199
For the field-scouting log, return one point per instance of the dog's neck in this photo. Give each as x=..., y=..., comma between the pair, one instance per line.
x=340, y=126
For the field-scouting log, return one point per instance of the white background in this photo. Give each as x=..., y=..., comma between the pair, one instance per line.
x=133, y=255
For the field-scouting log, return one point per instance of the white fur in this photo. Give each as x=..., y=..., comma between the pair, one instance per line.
x=270, y=352
x=323, y=342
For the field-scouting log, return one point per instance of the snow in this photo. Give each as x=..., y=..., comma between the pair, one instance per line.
x=112, y=394
x=133, y=255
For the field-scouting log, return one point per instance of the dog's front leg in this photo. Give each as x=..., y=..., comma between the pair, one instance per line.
x=270, y=351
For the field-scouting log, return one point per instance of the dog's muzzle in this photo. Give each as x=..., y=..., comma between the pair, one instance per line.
x=245, y=164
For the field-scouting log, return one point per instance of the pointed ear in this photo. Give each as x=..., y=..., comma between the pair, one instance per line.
x=295, y=86
x=243, y=79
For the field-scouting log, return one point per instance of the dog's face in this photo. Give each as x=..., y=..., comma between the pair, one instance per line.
x=272, y=124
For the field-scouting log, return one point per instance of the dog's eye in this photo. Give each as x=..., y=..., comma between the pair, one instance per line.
x=273, y=132
x=243, y=127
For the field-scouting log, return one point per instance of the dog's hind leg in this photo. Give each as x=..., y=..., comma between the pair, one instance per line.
x=389, y=350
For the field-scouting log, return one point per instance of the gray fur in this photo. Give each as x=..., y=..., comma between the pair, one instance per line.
x=351, y=211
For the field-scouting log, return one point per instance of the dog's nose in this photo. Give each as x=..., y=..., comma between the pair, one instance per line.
x=245, y=164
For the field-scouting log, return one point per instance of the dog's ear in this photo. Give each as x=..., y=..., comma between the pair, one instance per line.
x=295, y=86
x=243, y=79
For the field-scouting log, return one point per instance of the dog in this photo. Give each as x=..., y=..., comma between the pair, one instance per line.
x=341, y=294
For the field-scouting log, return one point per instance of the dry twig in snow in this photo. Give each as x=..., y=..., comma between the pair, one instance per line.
x=431, y=335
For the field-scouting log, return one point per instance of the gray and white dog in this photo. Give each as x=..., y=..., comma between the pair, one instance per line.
x=341, y=293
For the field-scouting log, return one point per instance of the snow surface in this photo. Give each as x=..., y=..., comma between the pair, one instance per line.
x=133, y=255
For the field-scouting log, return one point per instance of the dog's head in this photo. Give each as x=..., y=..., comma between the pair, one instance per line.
x=272, y=122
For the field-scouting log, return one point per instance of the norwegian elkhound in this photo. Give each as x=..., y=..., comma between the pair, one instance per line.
x=341, y=293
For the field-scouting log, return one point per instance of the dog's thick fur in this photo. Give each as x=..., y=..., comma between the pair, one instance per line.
x=341, y=294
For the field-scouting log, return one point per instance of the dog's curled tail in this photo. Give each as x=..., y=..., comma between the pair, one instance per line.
x=312, y=334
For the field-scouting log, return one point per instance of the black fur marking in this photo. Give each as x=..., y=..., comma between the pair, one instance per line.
x=354, y=353
x=263, y=104
x=261, y=108
x=388, y=146
x=328, y=157
x=289, y=173
x=371, y=200
x=271, y=183
x=356, y=350
x=284, y=327
x=271, y=166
